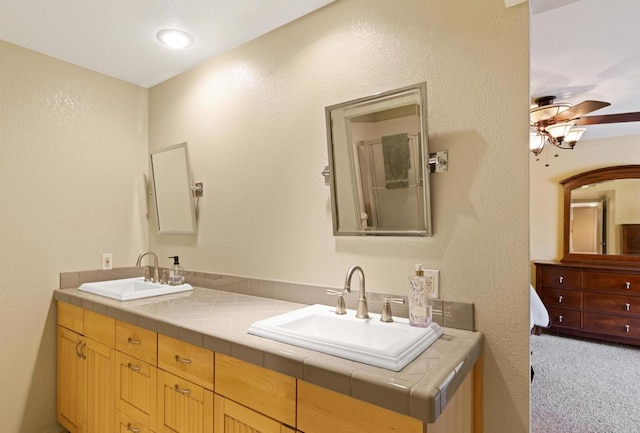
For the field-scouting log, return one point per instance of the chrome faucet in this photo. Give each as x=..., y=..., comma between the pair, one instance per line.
x=156, y=278
x=363, y=311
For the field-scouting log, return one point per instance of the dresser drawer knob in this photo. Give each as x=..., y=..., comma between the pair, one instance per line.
x=627, y=285
x=627, y=307
x=561, y=279
x=132, y=429
x=132, y=341
x=560, y=318
x=560, y=299
x=626, y=328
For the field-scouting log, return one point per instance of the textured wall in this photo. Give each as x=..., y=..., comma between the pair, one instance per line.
x=254, y=120
x=73, y=153
x=546, y=192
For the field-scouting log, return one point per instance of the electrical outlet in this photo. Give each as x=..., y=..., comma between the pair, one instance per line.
x=433, y=277
x=107, y=261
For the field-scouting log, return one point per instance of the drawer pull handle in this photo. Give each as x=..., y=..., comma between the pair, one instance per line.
x=627, y=285
x=181, y=391
x=560, y=318
x=133, y=367
x=626, y=328
x=183, y=360
x=561, y=280
x=132, y=429
x=627, y=307
x=560, y=299
x=132, y=341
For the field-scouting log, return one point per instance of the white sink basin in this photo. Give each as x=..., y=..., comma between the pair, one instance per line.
x=131, y=288
x=370, y=341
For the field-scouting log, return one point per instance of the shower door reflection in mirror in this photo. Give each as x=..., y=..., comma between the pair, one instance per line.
x=377, y=166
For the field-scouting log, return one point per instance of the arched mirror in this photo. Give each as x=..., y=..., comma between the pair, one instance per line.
x=602, y=215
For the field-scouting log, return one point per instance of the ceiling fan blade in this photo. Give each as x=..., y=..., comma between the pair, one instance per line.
x=580, y=110
x=608, y=118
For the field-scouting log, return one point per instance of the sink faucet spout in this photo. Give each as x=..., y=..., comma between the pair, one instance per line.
x=362, y=311
x=156, y=278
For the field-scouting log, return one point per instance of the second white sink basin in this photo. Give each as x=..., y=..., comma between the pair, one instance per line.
x=370, y=341
x=131, y=288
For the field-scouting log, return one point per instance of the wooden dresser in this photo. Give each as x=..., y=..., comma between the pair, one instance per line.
x=591, y=300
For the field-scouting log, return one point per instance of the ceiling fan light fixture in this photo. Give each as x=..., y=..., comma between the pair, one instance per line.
x=175, y=38
x=574, y=135
x=558, y=130
x=546, y=112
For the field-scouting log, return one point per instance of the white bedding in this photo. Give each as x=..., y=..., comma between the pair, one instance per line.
x=539, y=314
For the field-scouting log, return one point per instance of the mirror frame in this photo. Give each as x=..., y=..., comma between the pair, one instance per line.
x=587, y=178
x=426, y=195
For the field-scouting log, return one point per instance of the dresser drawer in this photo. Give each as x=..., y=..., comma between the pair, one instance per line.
x=127, y=424
x=561, y=278
x=565, y=318
x=137, y=342
x=606, y=303
x=71, y=317
x=562, y=298
x=612, y=282
x=611, y=324
x=186, y=360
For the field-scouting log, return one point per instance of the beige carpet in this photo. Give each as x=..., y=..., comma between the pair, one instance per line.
x=584, y=386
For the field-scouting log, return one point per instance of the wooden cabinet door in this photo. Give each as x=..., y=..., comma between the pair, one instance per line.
x=71, y=372
x=183, y=407
x=100, y=362
x=231, y=417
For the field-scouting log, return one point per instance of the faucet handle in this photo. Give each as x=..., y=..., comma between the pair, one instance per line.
x=341, y=307
x=386, y=316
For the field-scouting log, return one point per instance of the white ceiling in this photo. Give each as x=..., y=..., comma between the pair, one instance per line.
x=588, y=49
x=117, y=37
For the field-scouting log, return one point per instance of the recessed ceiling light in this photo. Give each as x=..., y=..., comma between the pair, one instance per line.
x=174, y=38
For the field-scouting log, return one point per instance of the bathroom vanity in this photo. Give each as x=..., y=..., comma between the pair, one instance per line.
x=184, y=363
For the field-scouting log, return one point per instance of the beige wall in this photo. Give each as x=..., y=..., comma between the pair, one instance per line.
x=546, y=192
x=73, y=149
x=254, y=121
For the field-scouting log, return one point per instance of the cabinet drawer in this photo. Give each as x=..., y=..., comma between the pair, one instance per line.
x=266, y=391
x=565, y=318
x=183, y=407
x=136, y=386
x=127, y=424
x=561, y=278
x=186, y=360
x=606, y=303
x=100, y=328
x=614, y=325
x=71, y=317
x=138, y=342
x=562, y=298
x=613, y=282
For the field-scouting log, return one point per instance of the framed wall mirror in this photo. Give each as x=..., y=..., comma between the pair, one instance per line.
x=602, y=215
x=377, y=168
x=173, y=196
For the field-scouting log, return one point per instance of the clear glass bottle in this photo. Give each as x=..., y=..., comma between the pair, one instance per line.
x=176, y=274
x=420, y=312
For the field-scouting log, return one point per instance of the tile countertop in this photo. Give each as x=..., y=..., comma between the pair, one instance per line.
x=219, y=320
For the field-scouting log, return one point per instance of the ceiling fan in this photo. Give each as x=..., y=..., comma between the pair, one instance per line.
x=555, y=123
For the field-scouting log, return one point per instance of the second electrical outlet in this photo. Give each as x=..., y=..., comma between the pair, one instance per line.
x=433, y=278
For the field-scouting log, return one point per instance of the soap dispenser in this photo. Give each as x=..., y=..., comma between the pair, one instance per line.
x=420, y=311
x=176, y=274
